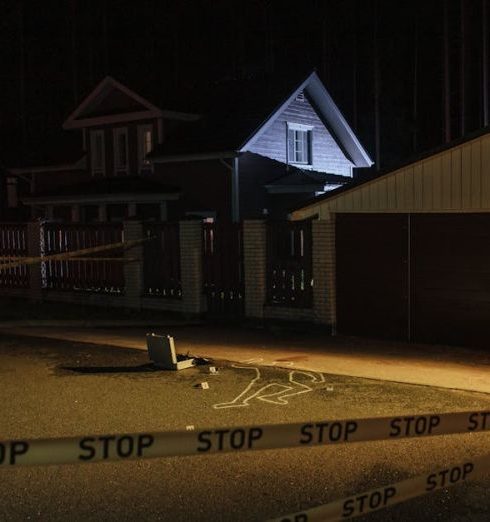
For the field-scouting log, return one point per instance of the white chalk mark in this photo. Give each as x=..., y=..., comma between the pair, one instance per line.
x=252, y=360
x=261, y=390
x=283, y=363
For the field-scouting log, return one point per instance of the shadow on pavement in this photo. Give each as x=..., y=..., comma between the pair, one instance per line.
x=112, y=369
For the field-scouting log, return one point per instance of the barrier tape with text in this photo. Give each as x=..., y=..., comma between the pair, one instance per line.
x=392, y=494
x=87, y=449
x=62, y=256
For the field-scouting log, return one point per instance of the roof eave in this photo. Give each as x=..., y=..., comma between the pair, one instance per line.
x=176, y=158
x=342, y=130
x=101, y=198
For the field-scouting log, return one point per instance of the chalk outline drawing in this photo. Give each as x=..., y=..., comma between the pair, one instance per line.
x=254, y=391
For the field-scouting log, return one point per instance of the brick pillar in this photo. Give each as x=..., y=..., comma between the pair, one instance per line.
x=34, y=250
x=193, y=302
x=321, y=286
x=331, y=273
x=133, y=270
x=254, y=261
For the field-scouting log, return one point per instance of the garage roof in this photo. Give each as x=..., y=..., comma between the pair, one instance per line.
x=453, y=178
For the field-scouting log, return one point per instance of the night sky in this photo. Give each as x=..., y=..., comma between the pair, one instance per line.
x=53, y=53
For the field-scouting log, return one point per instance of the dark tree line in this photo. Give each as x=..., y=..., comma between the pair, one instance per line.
x=407, y=75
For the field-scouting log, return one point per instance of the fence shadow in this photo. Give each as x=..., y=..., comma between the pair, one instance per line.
x=142, y=368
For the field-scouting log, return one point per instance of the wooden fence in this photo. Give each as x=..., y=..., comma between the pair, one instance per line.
x=13, y=244
x=153, y=269
x=289, y=264
x=104, y=275
x=161, y=260
x=223, y=274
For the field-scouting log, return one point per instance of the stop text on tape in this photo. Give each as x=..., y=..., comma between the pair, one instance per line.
x=166, y=444
x=389, y=495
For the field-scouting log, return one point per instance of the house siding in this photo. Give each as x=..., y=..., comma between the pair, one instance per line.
x=326, y=154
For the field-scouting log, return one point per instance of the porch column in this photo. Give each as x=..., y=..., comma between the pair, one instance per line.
x=131, y=210
x=102, y=213
x=75, y=213
x=163, y=211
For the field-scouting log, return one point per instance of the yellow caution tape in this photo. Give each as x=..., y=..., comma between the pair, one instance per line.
x=236, y=439
x=73, y=253
x=385, y=496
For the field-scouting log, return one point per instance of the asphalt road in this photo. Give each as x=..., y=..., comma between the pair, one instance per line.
x=54, y=389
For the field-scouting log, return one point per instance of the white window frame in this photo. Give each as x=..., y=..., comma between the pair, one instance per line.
x=118, y=167
x=308, y=129
x=142, y=129
x=97, y=169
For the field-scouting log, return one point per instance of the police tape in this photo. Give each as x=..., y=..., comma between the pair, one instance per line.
x=380, y=498
x=82, y=259
x=63, y=256
x=236, y=439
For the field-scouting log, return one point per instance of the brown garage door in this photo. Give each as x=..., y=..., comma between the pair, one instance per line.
x=450, y=275
x=372, y=275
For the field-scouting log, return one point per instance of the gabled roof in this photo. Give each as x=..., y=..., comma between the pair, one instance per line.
x=238, y=112
x=330, y=115
x=53, y=150
x=298, y=177
x=138, y=108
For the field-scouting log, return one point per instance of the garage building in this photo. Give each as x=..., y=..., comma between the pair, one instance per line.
x=410, y=249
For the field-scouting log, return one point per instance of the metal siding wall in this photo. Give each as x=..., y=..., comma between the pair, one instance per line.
x=446, y=181
x=455, y=180
x=466, y=176
x=485, y=172
x=476, y=175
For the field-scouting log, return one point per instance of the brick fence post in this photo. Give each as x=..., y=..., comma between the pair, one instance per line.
x=321, y=266
x=254, y=262
x=133, y=270
x=330, y=271
x=34, y=238
x=193, y=302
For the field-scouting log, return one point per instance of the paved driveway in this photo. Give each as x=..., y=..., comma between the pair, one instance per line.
x=60, y=388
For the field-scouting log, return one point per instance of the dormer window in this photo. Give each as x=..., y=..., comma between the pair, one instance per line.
x=145, y=145
x=299, y=144
x=121, y=150
x=97, y=152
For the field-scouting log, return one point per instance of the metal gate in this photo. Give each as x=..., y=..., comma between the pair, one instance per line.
x=223, y=269
x=372, y=275
x=450, y=274
x=289, y=264
x=419, y=277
